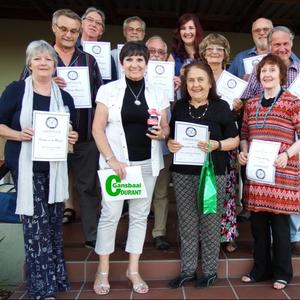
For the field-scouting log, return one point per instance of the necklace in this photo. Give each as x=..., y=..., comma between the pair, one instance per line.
x=266, y=114
x=199, y=117
x=136, y=97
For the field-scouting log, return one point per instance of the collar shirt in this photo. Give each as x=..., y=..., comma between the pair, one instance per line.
x=237, y=66
x=255, y=88
x=112, y=96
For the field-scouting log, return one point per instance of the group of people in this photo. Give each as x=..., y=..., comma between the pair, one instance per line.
x=116, y=128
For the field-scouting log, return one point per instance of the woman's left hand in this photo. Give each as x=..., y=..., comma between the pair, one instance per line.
x=72, y=137
x=281, y=160
x=203, y=145
x=157, y=133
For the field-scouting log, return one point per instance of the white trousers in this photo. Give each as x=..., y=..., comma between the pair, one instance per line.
x=138, y=213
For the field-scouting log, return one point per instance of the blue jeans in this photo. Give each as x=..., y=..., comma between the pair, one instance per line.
x=295, y=228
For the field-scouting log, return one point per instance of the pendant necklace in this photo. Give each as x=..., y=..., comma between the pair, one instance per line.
x=266, y=114
x=136, y=97
x=199, y=117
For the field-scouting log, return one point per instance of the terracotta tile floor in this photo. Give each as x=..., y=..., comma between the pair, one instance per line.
x=230, y=288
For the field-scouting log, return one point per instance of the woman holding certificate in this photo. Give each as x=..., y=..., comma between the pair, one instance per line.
x=215, y=50
x=200, y=106
x=124, y=107
x=40, y=199
x=273, y=117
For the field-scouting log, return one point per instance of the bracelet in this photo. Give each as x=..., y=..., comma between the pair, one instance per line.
x=219, y=146
x=287, y=154
x=107, y=159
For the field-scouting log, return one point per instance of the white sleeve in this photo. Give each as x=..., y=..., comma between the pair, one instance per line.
x=101, y=96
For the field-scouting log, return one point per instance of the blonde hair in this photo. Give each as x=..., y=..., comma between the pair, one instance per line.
x=215, y=39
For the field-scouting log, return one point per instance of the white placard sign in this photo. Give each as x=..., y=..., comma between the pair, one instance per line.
x=50, y=139
x=261, y=157
x=251, y=62
x=101, y=51
x=230, y=87
x=114, y=189
x=78, y=84
x=161, y=74
x=188, y=135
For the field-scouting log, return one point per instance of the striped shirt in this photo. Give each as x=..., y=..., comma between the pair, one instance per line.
x=255, y=88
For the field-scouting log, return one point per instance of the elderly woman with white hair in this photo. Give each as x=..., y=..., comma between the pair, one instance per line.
x=40, y=203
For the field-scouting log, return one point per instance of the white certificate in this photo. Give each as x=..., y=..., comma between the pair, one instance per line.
x=78, y=84
x=261, y=158
x=294, y=88
x=188, y=135
x=120, y=68
x=161, y=74
x=114, y=189
x=50, y=139
x=251, y=62
x=101, y=52
x=230, y=87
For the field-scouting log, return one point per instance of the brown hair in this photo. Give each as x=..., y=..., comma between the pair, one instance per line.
x=212, y=95
x=273, y=60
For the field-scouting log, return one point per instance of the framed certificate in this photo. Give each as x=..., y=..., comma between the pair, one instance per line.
x=188, y=135
x=261, y=158
x=161, y=74
x=230, y=87
x=50, y=139
x=101, y=52
x=78, y=84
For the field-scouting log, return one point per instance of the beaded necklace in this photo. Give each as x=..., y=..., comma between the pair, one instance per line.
x=199, y=117
x=266, y=114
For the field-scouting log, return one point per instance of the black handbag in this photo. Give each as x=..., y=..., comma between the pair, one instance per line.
x=8, y=201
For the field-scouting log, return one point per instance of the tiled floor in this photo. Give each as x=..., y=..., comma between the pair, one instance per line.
x=230, y=288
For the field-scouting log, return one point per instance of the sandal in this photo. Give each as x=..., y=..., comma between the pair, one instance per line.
x=231, y=246
x=279, y=284
x=248, y=279
x=101, y=288
x=69, y=216
x=141, y=286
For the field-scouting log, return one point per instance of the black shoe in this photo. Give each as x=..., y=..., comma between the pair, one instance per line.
x=181, y=279
x=151, y=215
x=90, y=244
x=161, y=243
x=206, y=281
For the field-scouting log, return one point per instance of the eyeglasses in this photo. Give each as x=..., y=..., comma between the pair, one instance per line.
x=217, y=49
x=131, y=29
x=264, y=30
x=65, y=30
x=91, y=21
x=160, y=52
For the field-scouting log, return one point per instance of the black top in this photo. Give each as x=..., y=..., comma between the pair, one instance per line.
x=134, y=120
x=220, y=122
x=268, y=102
x=10, y=110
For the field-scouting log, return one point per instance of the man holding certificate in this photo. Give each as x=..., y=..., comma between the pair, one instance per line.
x=201, y=107
x=42, y=183
x=272, y=191
x=93, y=27
x=66, y=26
